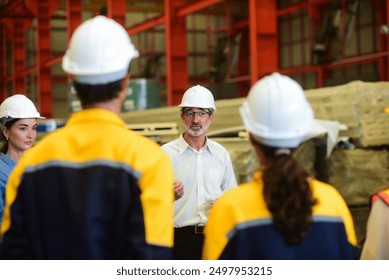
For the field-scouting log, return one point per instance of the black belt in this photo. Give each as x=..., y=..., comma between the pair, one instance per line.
x=193, y=229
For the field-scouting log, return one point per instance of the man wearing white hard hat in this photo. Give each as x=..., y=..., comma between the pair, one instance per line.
x=92, y=189
x=18, y=121
x=283, y=213
x=202, y=171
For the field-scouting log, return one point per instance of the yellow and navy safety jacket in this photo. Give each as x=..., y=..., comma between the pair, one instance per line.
x=240, y=227
x=90, y=190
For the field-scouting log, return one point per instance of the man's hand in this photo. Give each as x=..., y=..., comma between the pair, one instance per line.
x=178, y=189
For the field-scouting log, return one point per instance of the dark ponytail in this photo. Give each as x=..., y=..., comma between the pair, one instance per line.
x=287, y=193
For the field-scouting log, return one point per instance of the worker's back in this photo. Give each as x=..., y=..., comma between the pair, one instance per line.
x=91, y=190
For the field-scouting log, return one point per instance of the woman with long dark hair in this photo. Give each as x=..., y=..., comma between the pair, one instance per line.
x=283, y=213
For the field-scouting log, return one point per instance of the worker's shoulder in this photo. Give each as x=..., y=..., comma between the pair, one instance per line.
x=171, y=147
x=137, y=138
x=216, y=145
x=325, y=192
x=245, y=191
x=131, y=142
x=171, y=143
x=322, y=186
x=330, y=201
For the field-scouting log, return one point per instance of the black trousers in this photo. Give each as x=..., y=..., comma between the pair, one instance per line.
x=188, y=243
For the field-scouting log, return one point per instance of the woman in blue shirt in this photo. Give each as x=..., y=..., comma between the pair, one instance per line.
x=18, y=120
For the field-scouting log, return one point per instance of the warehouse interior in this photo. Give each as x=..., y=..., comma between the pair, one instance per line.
x=225, y=45
x=338, y=50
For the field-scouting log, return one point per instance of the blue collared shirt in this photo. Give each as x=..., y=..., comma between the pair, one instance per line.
x=6, y=166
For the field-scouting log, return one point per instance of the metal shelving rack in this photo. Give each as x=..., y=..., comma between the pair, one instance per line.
x=273, y=36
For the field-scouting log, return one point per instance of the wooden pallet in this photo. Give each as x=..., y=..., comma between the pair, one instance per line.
x=155, y=129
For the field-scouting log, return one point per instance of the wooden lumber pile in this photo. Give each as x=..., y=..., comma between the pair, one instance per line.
x=359, y=173
x=356, y=174
x=243, y=157
x=358, y=105
x=226, y=116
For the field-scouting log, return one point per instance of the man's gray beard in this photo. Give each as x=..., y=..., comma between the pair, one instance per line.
x=197, y=132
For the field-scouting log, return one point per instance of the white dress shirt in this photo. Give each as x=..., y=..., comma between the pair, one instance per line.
x=205, y=174
x=376, y=246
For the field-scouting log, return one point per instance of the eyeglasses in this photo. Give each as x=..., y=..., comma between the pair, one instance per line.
x=191, y=114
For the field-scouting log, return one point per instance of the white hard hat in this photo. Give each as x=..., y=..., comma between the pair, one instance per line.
x=277, y=112
x=99, y=52
x=18, y=106
x=198, y=97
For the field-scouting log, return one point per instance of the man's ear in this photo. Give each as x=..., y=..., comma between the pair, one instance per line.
x=182, y=116
x=124, y=85
x=126, y=81
x=123, y=90
x=253, y=142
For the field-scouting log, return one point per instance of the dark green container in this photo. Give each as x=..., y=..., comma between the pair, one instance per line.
x=142, y=94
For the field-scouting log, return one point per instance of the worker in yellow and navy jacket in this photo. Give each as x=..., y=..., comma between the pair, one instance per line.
x=283, y=213
x=92, y=189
